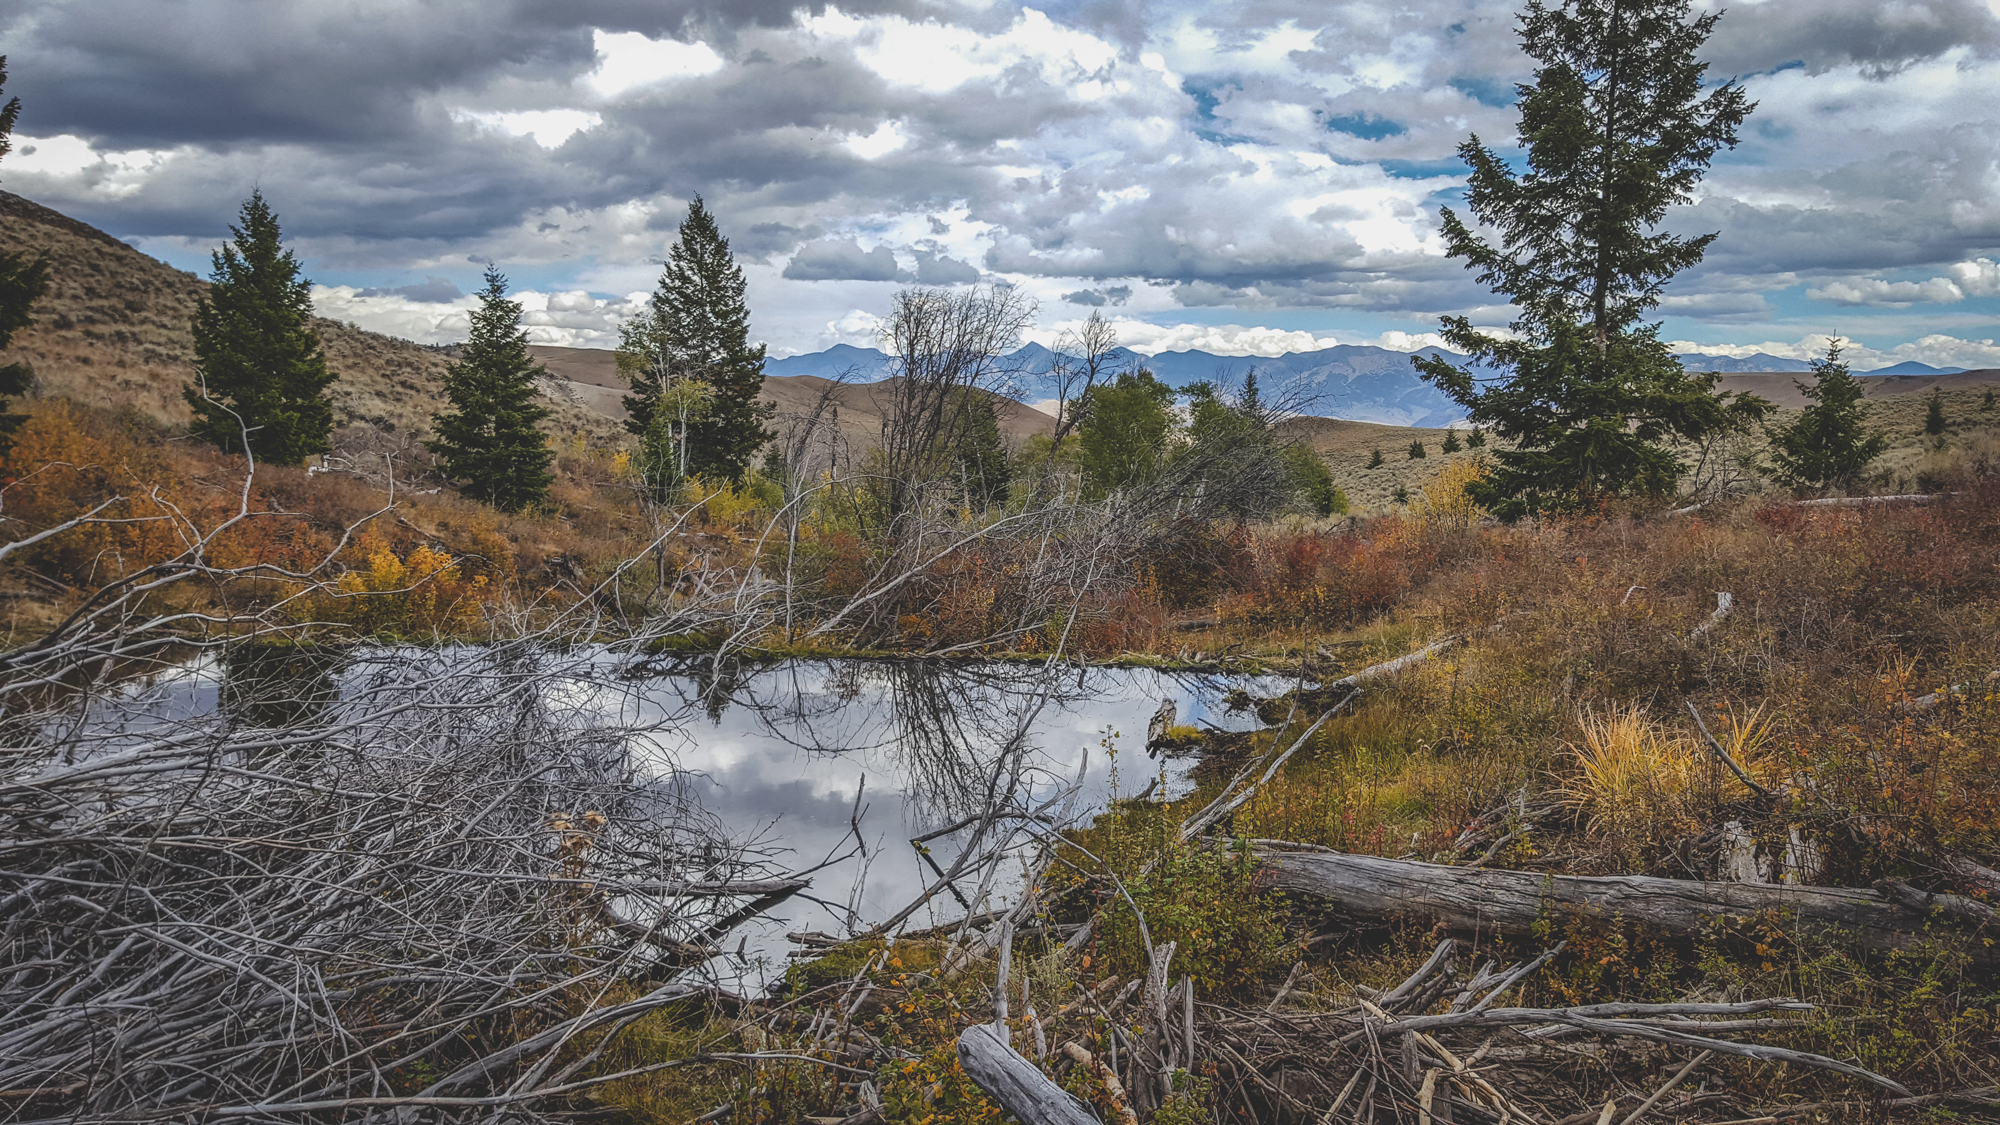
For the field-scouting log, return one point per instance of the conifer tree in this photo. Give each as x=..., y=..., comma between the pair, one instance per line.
x=1450, y=443
x=1417, y=451
x=1829, y=444
x=1374, y=459
x=490, y=441
x=257, y=360
x=23, y=280
x=1934, y=413
x=1617, y=128
x=697, y=328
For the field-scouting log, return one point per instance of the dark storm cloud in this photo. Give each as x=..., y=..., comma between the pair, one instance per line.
x=1262, y=154
x=1881, y=36
x=219, y=71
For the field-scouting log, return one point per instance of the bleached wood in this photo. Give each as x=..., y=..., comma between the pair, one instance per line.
x=1017, y=1084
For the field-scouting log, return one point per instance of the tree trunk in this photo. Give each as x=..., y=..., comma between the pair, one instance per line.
x=1512, y=902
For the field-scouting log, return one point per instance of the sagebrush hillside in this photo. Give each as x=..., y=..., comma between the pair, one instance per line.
x=113, y=332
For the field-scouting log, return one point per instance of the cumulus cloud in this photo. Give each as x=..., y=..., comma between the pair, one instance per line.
x=1935, y=349
x=843, y=259
x=1979, y=278
x=572, y=318
x=1153, y=158
x=1888, y=294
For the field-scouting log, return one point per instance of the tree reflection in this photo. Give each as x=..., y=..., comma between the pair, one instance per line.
x=278, y=687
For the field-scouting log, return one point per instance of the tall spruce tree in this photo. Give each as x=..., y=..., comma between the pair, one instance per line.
x=1617, y=128
x=257, y=360
x=489, y=441
x=23, y=280
x=1829, y=444
x=697, y=328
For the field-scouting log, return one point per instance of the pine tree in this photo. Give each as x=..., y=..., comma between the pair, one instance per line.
x=23, y=280
x=1934, y=413
x=1417, y=451
x=1476, y=439
x=1375, y=459
x=257, y=360
x=697, y=328
x=490, y=440
x=1617, y=129
x=1450, y=443
x=1829, y=444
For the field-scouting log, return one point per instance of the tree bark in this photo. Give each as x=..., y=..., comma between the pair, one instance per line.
x=1512, y=902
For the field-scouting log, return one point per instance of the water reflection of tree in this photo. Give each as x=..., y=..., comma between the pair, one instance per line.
x=278, y=687
x=946, y=728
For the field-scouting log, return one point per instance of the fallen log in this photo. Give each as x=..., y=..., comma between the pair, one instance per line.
x=1512, y=902
x=1017, y=1084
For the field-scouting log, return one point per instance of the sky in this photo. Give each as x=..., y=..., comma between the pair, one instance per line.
x=1249, y=178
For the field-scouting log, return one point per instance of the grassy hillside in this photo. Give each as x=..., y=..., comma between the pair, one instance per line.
x=113, y=332
x=1914, y=460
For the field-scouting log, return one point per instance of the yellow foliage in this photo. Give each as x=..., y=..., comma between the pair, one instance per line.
x=421, y=592
x=726, y=505
x=1443, y=500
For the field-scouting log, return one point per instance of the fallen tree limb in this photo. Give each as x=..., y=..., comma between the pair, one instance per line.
x=1014, y=1082
x=1677, y=1034
x=1512, y=902
x=1869, y=501
x=1391, y=667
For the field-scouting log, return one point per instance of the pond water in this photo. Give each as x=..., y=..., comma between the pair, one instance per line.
x=781, y=753
x=777, y=752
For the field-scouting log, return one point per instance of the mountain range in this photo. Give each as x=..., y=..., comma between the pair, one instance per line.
x=1351, y=381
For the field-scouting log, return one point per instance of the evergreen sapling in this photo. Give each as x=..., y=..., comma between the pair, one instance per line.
x=1829, y=445
x=258, y=365
x=696, y=329
x=489, y=440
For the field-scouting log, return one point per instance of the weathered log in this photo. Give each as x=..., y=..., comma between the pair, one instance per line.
x=1017, y=1084
x=1512, y=902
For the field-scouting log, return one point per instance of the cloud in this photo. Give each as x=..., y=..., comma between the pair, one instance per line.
x=629, y=60
x=1221, y=339
x=1935, y=349
x=432, y=290
x=549, y=128
x=1269, y=160
x=843, y=260
x=1098, y=298
x=571, y=318
x=1979, y=278
x=936, y=269
x=1888, y=294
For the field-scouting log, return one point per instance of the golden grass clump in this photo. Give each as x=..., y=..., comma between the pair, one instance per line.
x=1632, y=769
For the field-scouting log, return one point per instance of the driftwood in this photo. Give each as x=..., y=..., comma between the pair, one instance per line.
x=1512, y=902
x=1014, y=1082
